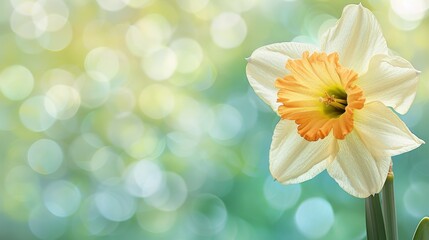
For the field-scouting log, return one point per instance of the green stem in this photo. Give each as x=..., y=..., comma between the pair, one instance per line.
x=374, y=218
x=389, y=212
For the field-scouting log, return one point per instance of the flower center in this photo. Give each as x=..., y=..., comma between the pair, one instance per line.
x=335, y=105
x=320, y=95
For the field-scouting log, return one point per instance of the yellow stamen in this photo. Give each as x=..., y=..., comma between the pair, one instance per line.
x=335, y=102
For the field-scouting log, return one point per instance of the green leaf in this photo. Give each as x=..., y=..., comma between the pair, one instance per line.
x=422, y=231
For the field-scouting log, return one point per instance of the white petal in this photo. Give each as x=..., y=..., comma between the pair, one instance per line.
x=294, y=159
x=356, y=37
x=391, y=80
x=381, y=129
x=359, y=171
x=267, y=63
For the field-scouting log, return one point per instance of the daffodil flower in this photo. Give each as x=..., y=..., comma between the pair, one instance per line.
x=334, y=102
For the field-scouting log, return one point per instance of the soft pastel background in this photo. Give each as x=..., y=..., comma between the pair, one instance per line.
x=133, y=119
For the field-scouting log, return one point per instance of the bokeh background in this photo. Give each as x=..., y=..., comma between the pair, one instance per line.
x=133, y=119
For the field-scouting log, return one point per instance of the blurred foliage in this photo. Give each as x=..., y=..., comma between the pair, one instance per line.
x=133, y=119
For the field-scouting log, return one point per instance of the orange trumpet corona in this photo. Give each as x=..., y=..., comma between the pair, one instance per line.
x=320, y=95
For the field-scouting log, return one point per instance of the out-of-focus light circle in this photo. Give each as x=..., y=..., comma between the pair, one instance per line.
x=227, y=122
x=102, y=62
x=160, y=64
x=56, y=76
x=55, y=17
x=239, y=5
x=64, y=130
x=125, y=129
x=45, y=156
x=228, y=30
x=148, y=34
x=171, y=195
x=56, y=40
x=328, y=22
x=410, y=10
x=83, y=148
x=281, y=197
x=21, y=5
x=150, y=145
x=89, y=122
x=138, y=3
x=189, y=54
x=191, y=116
x=403, y=24
x=62, y=198
x=144, y=179
x=112, y=5
x=314, y=217
x=34, y=113
x=415, y=199
x=93, y=93
x=93, y=221
x=44, y=225
x=196, y=176
x=201, y=78
x=192, y=6
x=66, y=101
x=181, y=144
x=156, y=101
x=100, y=157
x=16, y=82
x=107, y=166
x=122, y=100
x=208, y=214
x=28, y=20
x=115, y=205
x=55, y=22
x=305, y=39
x=156, y=221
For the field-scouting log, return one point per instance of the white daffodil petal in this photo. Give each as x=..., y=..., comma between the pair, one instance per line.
x=267, y=63
x=359, y=171
x=391, y=80
x=294, y=159
x=383, y=130
x=356, y=37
